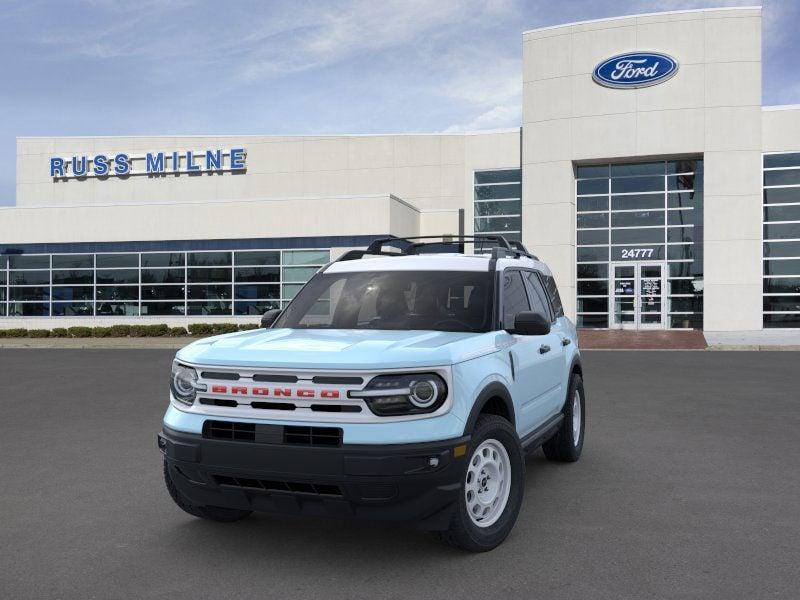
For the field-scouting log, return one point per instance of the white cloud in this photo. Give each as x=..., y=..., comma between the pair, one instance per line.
x=497, y=117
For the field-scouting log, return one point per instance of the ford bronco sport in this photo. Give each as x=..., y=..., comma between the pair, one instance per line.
x=404, y=383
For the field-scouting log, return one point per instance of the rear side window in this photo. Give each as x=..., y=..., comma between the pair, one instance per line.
x=538, y=296
x=515, y=299
x=552, y=292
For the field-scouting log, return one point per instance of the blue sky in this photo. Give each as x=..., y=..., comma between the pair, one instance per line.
x=154, y=67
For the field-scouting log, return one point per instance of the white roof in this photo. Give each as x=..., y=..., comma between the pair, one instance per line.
x=432, y=262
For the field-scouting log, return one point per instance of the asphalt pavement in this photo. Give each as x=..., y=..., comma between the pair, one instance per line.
x=689, y=487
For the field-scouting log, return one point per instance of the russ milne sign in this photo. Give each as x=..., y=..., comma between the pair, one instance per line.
x=151, y=163
x=635, y=70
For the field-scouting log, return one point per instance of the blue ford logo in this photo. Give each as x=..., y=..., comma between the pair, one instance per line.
x=635, y=70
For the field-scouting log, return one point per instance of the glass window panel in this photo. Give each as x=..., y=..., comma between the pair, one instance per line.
x=680, y=252
x=29, y=277
x=681, y=269
x=163, y=275
x=592, y=171
x=298, y=274
x=29, y=293
x=257, y=274
x=639, y=252
x=117, y=261
x=117, y=276
x=2, y=310
x=782, y=213
x=684, y=217
x=162, y=308
x=782, y=195
x=499, y=176
x=592, y=236
x=637, y=202
x=639, y=218
x=28, y=309
x=209, y=259
x=592, y=254
x=636, y=184
x=593, y=305
x=255, y=292
x=117, y=309
x=306, y=257
x=685, y=200
x=788, y=177
x=73, y=276
x=83, y=292
x=593, y=186
x=782, y=267
x=782, y=303
x=209, y=308
x=120, y=292
x=220, y=275
x=600, y=321
x=782, y=160
x=2, y=294
x=595, y=203
x=209, y=292
x=162, y=292
x=289, y=290
x=680, y=234
x=684, y=286
x=637, y=236
x=487, y=209
x=73, y=261
x=515, y=298
x=686, y=321
x=163, y=259
x=3, y=262
x=651, y=168
x=498, y=224
x=782, y=231
x=593, y=220
x=27, y=261
x=684, y=166
x=693, y=304
x=785, y=320
x=781, y=249
x=683, y=182
x=2, y=278
x=592, y=271
x=254, y=307
x=73, y=309
x=782, y=285
x=265, y=257
x=492, y=192
x=593, y=288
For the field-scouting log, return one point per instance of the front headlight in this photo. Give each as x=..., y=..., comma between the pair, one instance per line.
x=407, y=394
x=183, y=383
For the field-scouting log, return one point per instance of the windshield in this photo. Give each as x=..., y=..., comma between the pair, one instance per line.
x=435, y=300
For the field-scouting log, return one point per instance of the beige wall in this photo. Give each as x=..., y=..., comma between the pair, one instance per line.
x=711, y=107
x=781, y=128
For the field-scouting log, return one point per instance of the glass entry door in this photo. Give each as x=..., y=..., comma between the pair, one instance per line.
x=637, y=295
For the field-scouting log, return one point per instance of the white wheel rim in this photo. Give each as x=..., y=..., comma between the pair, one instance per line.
x=576, y=417
x=488, y=483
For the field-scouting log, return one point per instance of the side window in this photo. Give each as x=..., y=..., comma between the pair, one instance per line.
x=537, y=294
x=515, y=299
x=552, y=291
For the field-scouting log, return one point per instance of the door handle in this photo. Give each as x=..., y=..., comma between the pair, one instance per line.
x=565, y=341
x=544, y=349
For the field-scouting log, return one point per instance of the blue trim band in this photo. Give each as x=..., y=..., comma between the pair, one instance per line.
x=335, y=241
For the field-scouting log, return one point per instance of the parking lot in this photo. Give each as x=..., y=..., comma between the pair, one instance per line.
x=689, y=487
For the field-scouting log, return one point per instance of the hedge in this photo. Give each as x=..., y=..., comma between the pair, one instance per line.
x=116, y=331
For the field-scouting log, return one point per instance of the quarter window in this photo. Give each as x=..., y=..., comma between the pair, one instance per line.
x=515, y=299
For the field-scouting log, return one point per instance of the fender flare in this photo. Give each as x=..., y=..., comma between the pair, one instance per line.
x=576, y=365
x=494, y=389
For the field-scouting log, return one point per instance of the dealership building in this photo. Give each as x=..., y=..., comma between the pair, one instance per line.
x=645, y=172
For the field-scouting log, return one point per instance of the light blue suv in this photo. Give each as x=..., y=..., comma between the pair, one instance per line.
x=405, y=382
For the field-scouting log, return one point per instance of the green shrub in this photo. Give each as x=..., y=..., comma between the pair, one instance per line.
x=200, y=329
x=120, y=330
x=177, y=331
x=59, y=332
x=138, y=331
x=220, y=328
x=101, y=332
x=16, y=332
x=156, y=330
x=80, y=332
x=249, y=326
x=38, y=333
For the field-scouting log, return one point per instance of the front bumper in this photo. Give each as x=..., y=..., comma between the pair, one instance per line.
x=405, y=482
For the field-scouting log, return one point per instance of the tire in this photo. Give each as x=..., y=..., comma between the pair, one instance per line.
x=563, y=446
x=497, y=436
x=212, y=513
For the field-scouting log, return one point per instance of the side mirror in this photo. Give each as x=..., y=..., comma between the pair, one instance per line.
x=531, y=323
x=269, y=317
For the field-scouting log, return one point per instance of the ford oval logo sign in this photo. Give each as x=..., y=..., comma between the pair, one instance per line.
x=635, y=70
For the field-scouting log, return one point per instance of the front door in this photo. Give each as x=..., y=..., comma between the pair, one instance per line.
x=637, y=300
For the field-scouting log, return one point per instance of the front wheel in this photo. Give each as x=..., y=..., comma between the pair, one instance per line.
x=492, y=489
x=567, y=443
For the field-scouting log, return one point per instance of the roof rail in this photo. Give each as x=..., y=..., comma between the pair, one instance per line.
x=412, y=245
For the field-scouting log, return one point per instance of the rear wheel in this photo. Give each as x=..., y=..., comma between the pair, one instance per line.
x=213, y=513
x=566, y=445
x=492, y=489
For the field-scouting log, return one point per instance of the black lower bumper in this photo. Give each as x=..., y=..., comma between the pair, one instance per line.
x=405, y=482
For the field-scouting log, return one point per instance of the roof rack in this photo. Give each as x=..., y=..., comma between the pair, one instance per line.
x=503, y=247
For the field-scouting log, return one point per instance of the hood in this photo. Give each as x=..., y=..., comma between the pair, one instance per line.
x=338, y=348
